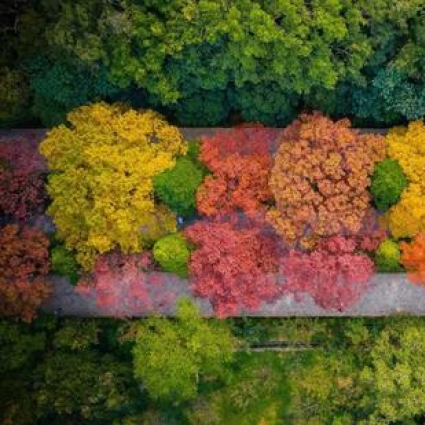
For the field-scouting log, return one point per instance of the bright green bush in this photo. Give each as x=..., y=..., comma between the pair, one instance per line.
x=63, y=262
x=177, y=187
x=388, y=182
x=387, y=257
x=172, y=253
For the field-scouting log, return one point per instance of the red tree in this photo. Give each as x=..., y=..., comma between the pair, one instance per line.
x=334, y=274
x=22, y=191
x=233, y=266
x=24, y=263
x=240, y=161
x=126, y=285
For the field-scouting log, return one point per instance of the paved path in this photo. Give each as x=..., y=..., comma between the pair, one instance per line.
x=389, y=294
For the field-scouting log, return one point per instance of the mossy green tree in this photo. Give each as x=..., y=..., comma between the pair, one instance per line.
x=172, y=253
x=387, y=257
x=388, y=182
x=172, y=356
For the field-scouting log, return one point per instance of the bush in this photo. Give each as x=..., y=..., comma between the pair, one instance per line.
x=177, y=187
x=320, y=179
x=406, y=145
x=172, y=253
x=101, y=187
x=388, y=182
x=387, y=257
x=63, y=263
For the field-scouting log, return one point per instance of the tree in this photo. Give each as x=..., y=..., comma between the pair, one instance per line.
x=320, y=179
x=334, y=274
x=413, y=258
x=240, y=161
x=172, y=253
x=387, y=257
x=24, y=263
x=407, y=217
x=22, y=191
x=103, y=165
x=199, y=348
x=388, y=182
x=233, y=265
x=177, y=187
x=393, y=380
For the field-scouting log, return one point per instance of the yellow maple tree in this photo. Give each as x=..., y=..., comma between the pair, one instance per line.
x=102, y=166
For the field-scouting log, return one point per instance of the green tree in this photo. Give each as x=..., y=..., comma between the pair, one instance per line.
x=171, y=356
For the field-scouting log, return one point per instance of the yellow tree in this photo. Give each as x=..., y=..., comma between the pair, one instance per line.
x=102, y=167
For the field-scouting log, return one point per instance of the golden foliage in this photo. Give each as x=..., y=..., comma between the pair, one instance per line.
x=103, y=165
x=407, y=146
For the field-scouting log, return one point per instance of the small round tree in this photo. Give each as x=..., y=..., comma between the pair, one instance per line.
x=388, y=182
x=172, y=253
x=387, y=257
x=320, y=178
x=103, y=164
x=177, y=187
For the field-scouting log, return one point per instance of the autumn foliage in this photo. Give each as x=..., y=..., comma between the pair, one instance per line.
x=24, y=263
x=407, y=146
x=334, y=274
x=320, y=178
x=240, y=160
x=413, y=259
x=103, y=164
x=125, y=285
x=233, y=265
x=22, y=193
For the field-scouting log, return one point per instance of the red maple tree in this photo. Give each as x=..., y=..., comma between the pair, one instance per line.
x=24, y=263
x=234, y=265
x=335, y=275
x=22, y=192
x=240, y=160
x=125, y=285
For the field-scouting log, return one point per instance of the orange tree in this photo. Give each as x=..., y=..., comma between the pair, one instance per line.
x=320, y=179
x=24, y=261
x=103, y=164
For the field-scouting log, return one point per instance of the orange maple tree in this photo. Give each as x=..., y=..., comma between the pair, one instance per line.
x=240, y=161
x=24, y=262
x=413, y=259
x=320, y=179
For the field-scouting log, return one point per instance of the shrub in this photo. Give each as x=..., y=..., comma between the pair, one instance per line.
x=413, y=258
x=320, y=178
x=232, y=265
x=63, y=263
x=388, y=182
x=406, y=145
x=24, y=263
x=22, y=191
x=177, y=187
x=240, y=163
x=101, y=186
x=172, y=253
x=334, y=275
x=387, y=257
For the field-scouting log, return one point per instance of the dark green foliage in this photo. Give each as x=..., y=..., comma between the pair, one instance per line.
x=172, y=253
x=387, y=257
x=388, y=182
x=60, y=86
x=63, y=262
x=177, y=187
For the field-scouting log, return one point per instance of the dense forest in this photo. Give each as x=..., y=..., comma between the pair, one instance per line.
x=210, y=62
